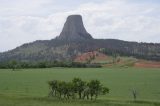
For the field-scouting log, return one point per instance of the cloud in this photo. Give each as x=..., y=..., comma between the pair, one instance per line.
x=123, y=20
x=118, y=19
x=25, y=7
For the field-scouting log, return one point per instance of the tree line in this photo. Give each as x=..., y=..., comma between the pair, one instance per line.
x=13, y=64
x=77, y=89
x=140, y=55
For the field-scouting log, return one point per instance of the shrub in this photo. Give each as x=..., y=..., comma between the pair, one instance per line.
x=77, y=88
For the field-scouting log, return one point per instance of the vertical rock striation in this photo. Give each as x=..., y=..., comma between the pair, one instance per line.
x=74, y=29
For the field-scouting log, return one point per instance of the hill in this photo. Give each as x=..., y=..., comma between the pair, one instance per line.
x=75, y=40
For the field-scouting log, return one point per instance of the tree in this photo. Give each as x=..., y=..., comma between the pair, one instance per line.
x=86, y=91
x=53, y=85
x=13, y=64
x=42, y=64
x=78, y=86
x=105, y=90
x=68, y=90
x=60, y=88
x=95, y=88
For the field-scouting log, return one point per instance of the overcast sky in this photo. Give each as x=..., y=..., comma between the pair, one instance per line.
x=23, y=21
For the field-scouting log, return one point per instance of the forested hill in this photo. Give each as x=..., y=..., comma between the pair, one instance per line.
x=66, y=50
x=74, y=40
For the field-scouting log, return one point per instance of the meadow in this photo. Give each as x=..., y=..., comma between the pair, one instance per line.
x=28, y=87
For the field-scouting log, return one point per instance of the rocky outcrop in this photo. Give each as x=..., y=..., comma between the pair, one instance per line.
x=74, y=29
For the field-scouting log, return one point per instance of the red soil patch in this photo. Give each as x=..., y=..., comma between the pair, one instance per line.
x=90, y=55
x=147, y=64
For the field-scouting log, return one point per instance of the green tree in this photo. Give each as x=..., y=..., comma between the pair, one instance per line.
x=68, y=90
x=86, y=91
x=13, y=64
x=60, y=88
x=42, y=64
x=105, y=90
x=78, y=86
x=53, y=85
x=95, y=88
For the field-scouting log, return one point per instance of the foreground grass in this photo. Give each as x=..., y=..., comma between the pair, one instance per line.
x=28, y=87
x=26, y=101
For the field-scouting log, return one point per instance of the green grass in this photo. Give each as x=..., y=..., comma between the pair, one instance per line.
x=28, y=87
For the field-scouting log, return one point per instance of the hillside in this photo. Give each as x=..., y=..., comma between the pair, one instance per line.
x=93, y=57
x=96, y=57
x=75, y=40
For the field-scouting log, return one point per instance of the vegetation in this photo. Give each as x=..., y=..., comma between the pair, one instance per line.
x=141, y=52
x=28, y=87
x=63, y=49
x=13, y=64
x=44, y=64
x=77, y=86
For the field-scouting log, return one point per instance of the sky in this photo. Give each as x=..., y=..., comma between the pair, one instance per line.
x=24, y=21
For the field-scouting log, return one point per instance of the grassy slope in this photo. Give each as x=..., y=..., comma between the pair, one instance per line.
x=26, y=86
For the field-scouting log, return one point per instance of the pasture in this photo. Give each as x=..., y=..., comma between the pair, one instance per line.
x=28, y=87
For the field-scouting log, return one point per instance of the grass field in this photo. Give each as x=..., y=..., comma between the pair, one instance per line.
x=28, y=87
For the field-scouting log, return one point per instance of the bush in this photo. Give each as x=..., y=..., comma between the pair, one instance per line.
x=77, y=88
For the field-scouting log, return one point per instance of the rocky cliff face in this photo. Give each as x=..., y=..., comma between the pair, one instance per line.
x=74, y=29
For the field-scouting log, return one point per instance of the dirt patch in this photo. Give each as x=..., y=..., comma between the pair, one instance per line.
x=147, y=64
x=91, y=56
